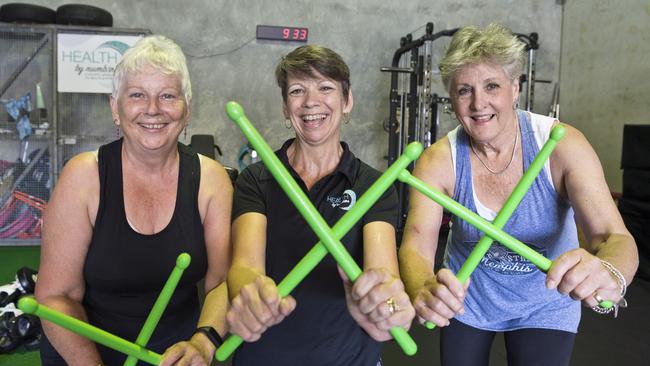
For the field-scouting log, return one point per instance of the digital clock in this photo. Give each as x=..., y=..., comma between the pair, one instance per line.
x=278, y=33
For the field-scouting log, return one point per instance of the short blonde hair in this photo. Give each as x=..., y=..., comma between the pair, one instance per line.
x=495, y=44
x=159, y=52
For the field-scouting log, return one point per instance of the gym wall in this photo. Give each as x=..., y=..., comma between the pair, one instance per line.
x=605, y=74
x=226, y=63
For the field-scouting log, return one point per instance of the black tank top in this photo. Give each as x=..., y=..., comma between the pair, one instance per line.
x=125, y=271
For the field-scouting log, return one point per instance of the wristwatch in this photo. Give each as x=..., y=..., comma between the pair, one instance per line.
x=212, y=335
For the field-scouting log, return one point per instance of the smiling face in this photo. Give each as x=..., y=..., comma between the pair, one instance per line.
x=151, y=109
x=482, y=96
x=315, y=105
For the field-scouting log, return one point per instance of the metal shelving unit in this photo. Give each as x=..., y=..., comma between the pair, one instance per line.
x=62, y=124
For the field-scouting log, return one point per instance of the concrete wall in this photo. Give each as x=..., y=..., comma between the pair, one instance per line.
x=605, y=74
x=226, y=63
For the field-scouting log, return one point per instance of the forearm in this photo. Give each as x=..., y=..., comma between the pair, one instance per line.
x=214, y=309
x=213, y=314
x=419, y=245
x=75, y=349
x=414, y=269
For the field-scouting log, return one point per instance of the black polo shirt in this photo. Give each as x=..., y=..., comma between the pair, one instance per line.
x=320, y=331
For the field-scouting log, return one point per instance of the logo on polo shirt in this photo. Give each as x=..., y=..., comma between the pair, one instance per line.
x=345, y=202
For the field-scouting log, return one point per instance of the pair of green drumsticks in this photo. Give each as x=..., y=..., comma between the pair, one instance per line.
x=330, y=242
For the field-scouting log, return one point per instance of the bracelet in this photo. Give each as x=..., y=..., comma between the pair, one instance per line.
x=211, y=334
x=622, y=284
x=616, y=273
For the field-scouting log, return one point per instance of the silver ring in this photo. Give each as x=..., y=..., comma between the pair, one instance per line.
x=598, y=308
x=598, y=298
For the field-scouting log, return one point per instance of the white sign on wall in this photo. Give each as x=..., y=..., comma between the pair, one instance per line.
x=86, y=61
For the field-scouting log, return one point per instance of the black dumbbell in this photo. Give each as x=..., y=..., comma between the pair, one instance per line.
x=25, y=283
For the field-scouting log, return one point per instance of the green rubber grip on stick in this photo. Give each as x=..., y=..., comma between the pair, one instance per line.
x=29, y=305
x=315, y=221
x=182, y=262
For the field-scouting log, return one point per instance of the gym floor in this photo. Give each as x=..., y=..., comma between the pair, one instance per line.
x=602, y=340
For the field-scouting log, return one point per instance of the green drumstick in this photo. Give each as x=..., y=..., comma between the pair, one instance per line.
x=29, y=305
x=323, y=231
x=182, y=262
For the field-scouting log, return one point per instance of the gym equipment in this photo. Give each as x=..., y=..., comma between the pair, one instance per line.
x=22, y=204
x=81, y=14
x=530, y=40
x=204, y=145
x=7, y=340
x=410, y=95
x=135, y=351
x=413, y=105
x=26, y=13
x=18, y=329
x=30, y=306
x=182, y=262
x=25, y=283
x=330, y=237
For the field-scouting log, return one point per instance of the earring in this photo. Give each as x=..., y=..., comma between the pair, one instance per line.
x=346, y=118
x=185, y=134
x=287, y=123
x=515, y=105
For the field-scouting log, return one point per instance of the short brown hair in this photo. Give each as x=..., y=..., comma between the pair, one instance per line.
x=304, y=60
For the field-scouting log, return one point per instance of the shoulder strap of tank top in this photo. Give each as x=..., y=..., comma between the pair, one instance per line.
x=109, y=164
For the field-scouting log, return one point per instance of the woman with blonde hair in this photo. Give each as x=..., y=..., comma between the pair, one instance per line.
x=478, y=164
x=120, y=216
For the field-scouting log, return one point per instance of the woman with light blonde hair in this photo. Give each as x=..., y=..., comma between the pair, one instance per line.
x=478, y=164
x=120, y=216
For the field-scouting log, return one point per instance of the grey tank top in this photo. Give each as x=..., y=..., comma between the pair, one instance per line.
x=508, y=292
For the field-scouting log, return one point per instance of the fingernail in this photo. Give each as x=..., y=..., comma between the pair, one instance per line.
x=550, y=284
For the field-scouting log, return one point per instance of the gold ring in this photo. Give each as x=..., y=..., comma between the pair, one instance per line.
x=393, y=306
